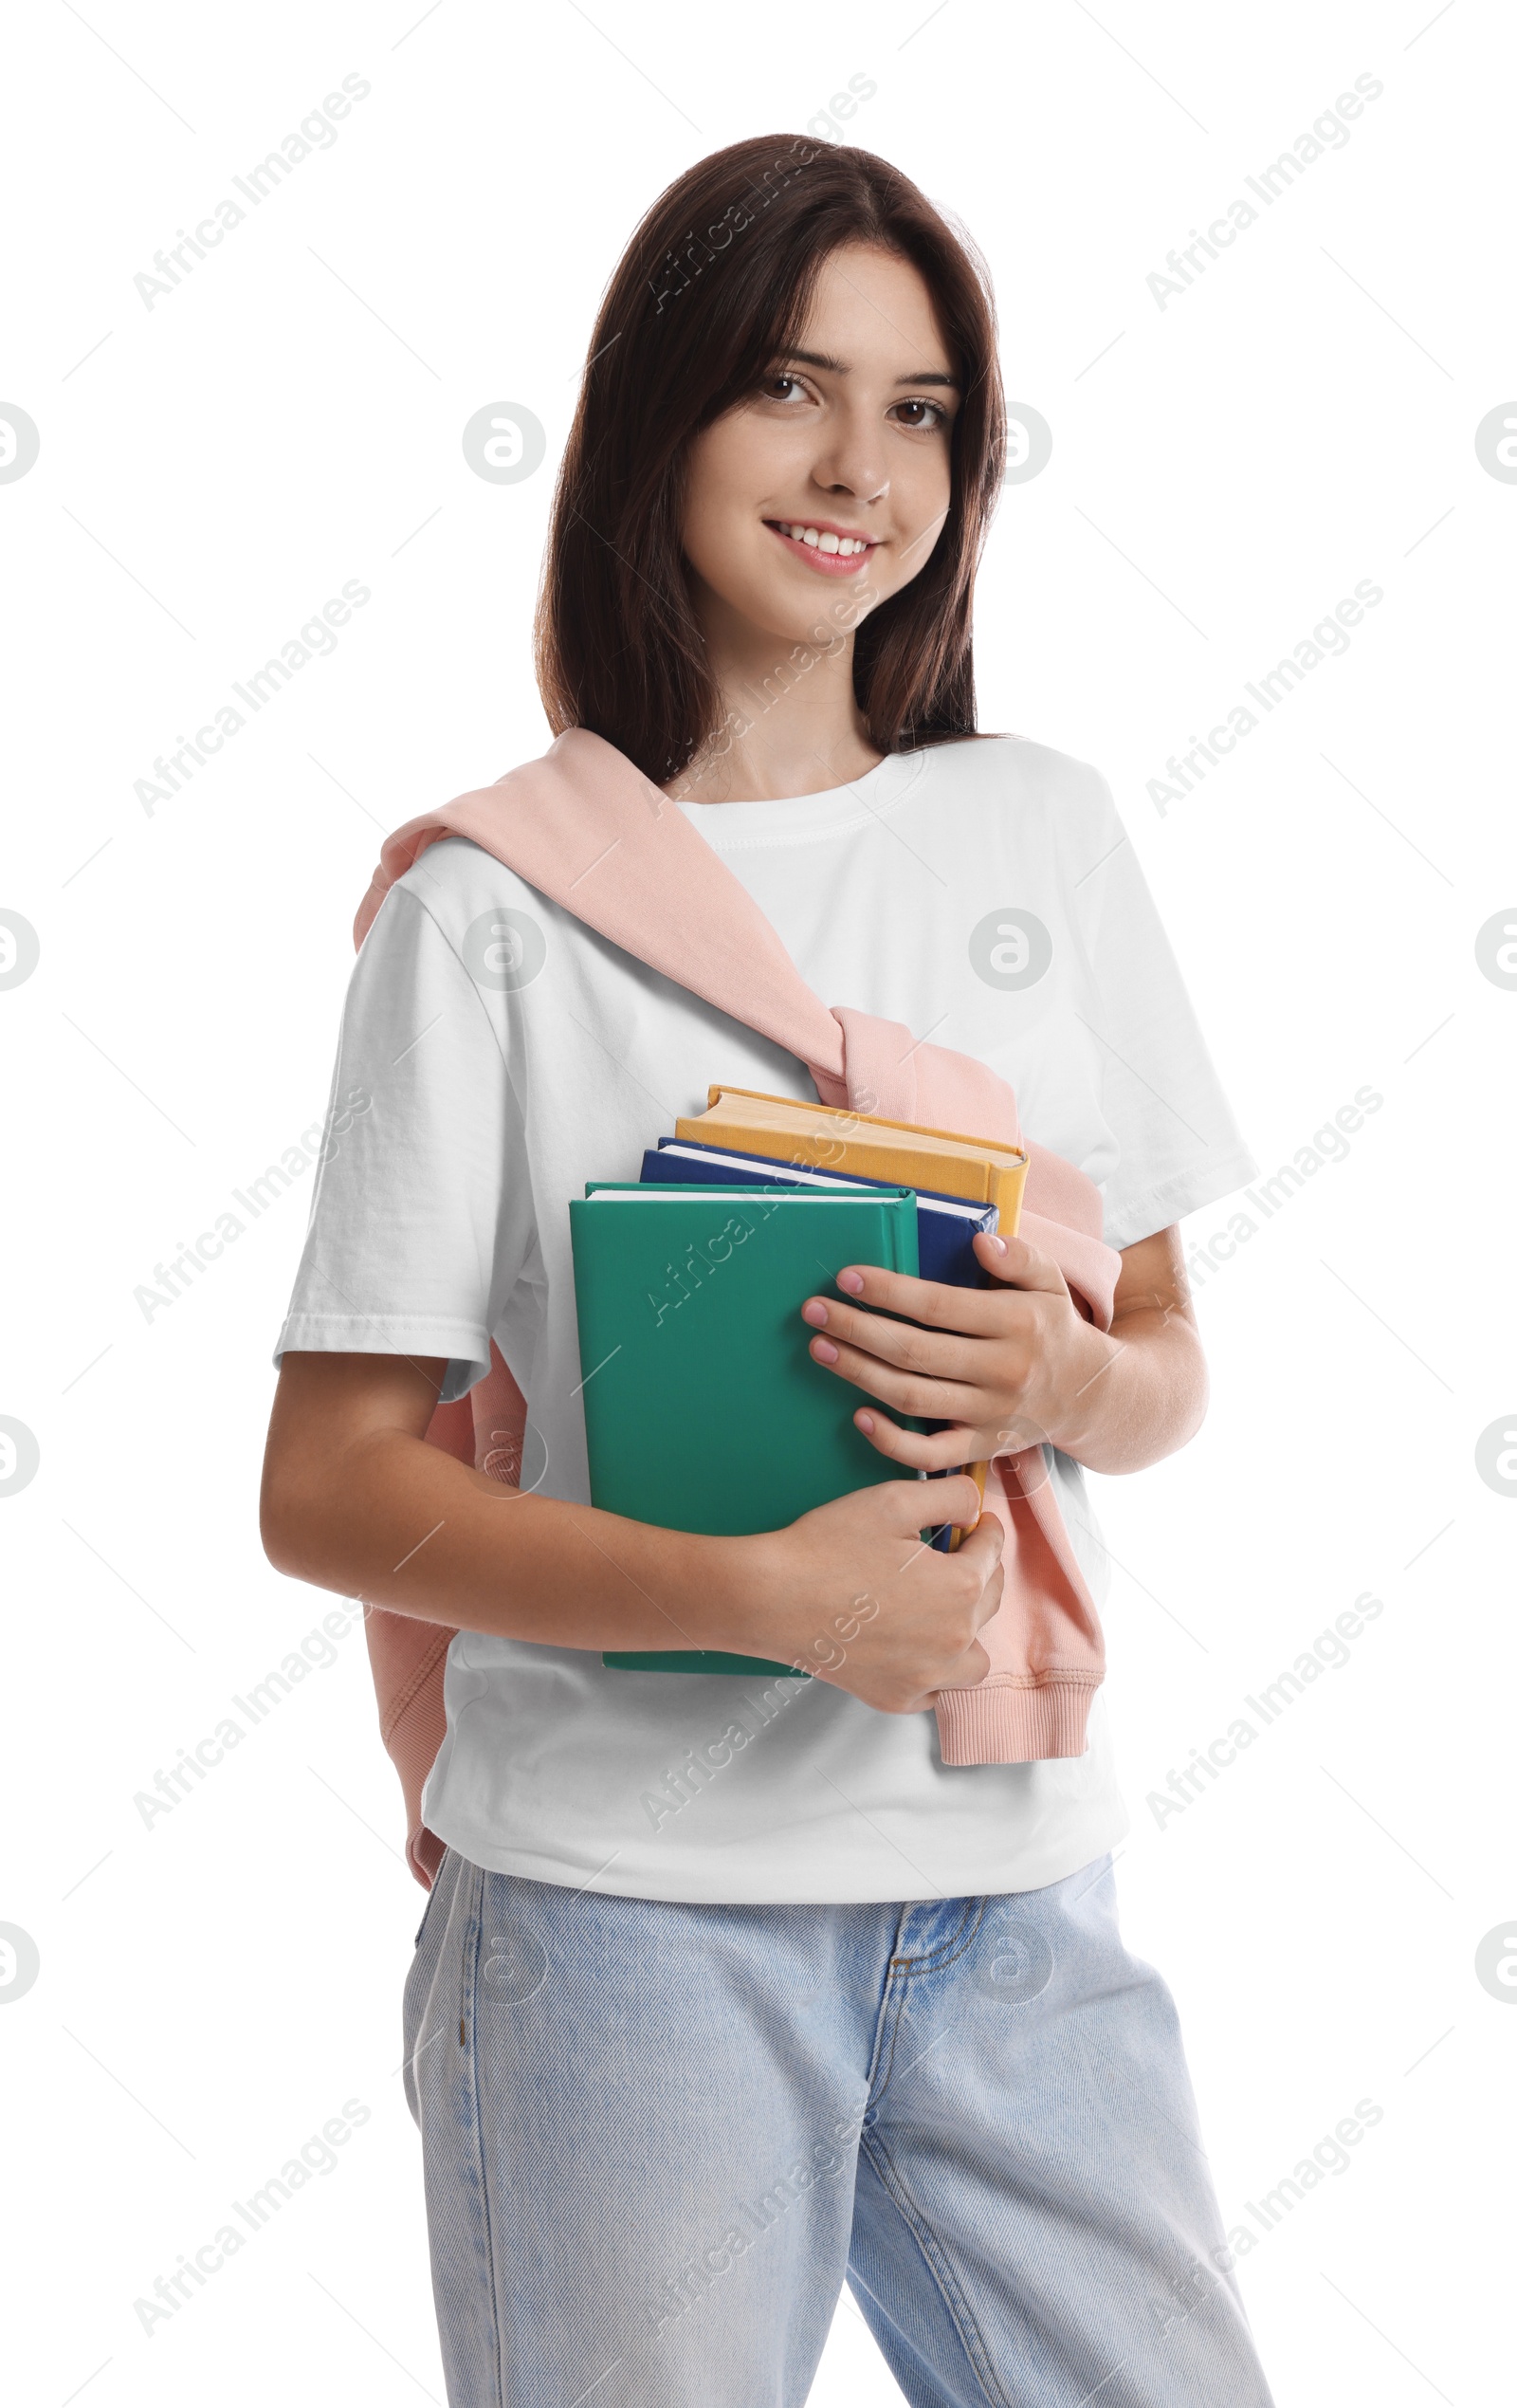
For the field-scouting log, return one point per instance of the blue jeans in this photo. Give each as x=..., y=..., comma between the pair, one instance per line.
x=657, y=2138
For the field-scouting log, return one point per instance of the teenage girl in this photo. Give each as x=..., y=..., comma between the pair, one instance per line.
x=688, y=2052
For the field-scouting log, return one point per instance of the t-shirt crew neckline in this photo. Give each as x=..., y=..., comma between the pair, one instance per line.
x=808, y=818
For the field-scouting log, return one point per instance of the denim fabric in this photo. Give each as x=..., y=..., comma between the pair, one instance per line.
x=657, y=2138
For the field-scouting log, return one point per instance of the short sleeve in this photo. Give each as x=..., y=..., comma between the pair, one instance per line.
x=1179, y=1146
x=418, y=1228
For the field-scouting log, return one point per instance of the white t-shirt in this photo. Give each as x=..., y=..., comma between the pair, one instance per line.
x=984, y=894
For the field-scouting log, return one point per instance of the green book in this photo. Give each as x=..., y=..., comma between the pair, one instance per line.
x=703, y=1411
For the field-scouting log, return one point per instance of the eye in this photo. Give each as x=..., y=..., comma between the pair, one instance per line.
x=782, y=378
x=931, y=415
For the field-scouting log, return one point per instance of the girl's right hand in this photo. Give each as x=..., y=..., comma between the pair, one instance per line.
x=852, y=1592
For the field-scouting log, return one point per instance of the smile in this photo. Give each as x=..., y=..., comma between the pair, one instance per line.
x=825, y=548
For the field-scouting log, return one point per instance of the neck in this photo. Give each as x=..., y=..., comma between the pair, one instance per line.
x=788, y=723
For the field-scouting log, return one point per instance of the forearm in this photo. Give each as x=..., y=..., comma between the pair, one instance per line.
x=403, y=1524
x=1141, y=1397
x=356, y=1500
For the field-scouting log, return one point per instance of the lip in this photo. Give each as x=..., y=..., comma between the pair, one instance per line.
x=826, y=564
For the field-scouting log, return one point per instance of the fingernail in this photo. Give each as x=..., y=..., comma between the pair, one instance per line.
x=823, y=1350
x=851, y=1282
x=999, y=1243
x=814, y=1310
x=865, y=1422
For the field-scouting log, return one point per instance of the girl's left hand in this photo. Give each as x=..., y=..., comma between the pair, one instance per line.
x=1008, y=1366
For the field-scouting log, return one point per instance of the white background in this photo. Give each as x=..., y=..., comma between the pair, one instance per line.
x=214, y=1988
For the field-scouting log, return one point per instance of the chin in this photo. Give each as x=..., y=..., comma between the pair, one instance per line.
x=814, y=617
x=790, y=622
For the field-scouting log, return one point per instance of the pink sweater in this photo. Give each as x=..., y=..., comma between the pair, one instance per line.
x=591, y=833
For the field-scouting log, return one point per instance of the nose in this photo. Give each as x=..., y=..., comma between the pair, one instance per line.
x=853, y=459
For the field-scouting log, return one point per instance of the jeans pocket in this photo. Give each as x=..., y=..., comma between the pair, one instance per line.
x=421, y=1974
x=432, y=1897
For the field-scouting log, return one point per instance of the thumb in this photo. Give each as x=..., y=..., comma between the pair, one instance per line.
x=913, y=1504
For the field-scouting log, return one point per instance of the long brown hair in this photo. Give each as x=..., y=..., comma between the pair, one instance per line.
x=713, y=286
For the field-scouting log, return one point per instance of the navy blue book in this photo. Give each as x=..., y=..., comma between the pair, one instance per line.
x=945, y=1225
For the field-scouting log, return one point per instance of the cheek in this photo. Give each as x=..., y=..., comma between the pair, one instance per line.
x=735, y=469
x=741, y=471
x=707, y=493
x=922, y=487
x=721, y=531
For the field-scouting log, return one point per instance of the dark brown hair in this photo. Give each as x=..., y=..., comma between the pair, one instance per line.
x=714, y=286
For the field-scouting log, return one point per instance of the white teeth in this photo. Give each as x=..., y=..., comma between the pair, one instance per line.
x=847, y=544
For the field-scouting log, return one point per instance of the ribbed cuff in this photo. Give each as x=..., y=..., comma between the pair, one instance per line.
x=424, y=1853
x=1000, y=1724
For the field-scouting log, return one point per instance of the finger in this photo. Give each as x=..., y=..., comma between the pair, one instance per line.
x=982, y=1550
x=914, y=1504
x=971, y=1311
x=968, y=1672
x=924, y=1450
x=906, y=1391
x=1021, y=1265
x=938, y=1354
x=989, y=1604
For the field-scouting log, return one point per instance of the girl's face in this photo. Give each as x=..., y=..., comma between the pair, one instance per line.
x=823, y=493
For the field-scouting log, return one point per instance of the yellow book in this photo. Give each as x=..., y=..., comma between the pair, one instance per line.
x=864, y=1145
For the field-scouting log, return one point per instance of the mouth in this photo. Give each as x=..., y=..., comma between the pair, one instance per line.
x=831, y=551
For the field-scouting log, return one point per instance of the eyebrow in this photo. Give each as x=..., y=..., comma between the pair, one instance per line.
x=840, y=368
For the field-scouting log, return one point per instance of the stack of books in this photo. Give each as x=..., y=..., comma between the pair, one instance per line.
x=703, y=1410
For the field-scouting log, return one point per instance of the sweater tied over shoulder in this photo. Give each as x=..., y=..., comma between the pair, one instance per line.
x=586, y=829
